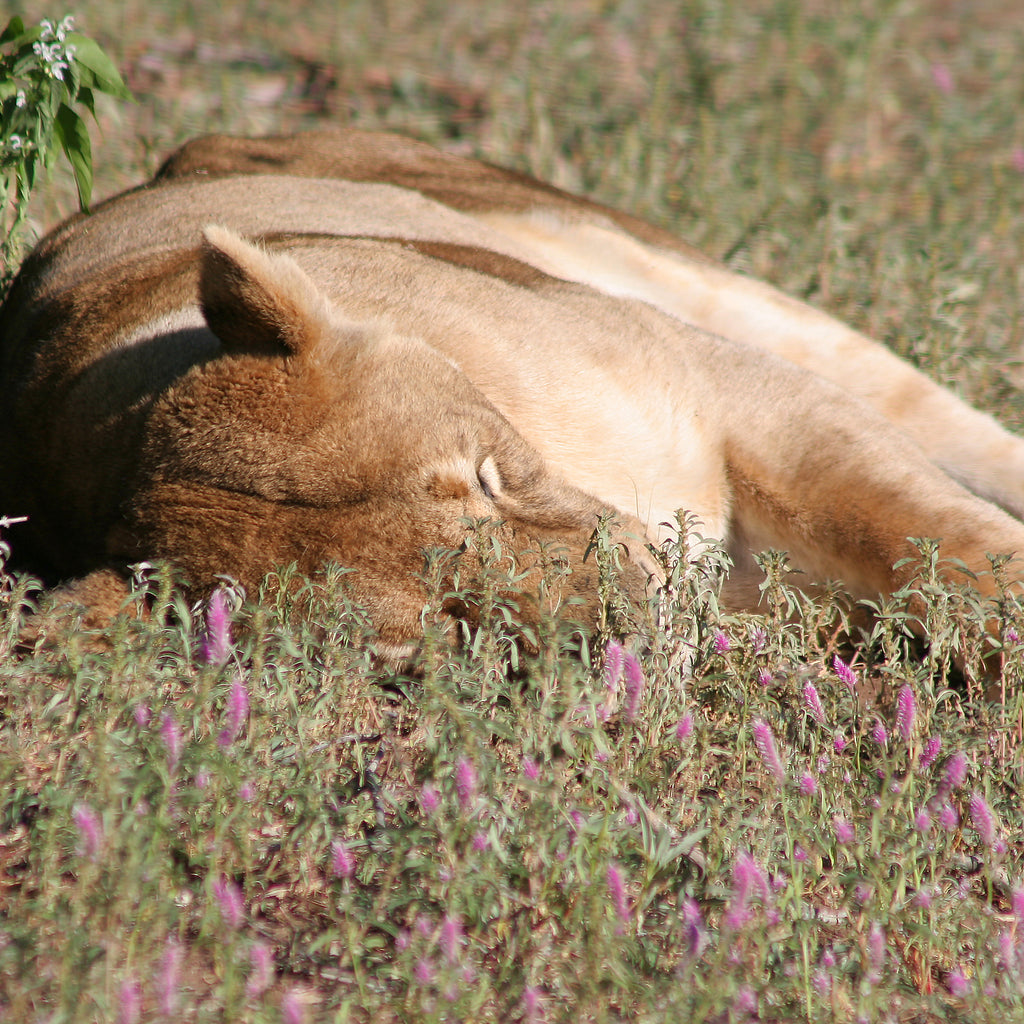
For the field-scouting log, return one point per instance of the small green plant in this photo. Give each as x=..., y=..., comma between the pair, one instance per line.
x=45, y=71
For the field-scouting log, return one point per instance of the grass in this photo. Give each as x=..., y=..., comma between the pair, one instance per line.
x=249, y=819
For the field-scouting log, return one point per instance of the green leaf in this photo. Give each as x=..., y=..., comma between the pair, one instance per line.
x=73, y=137
x=14, y=28
x=20, y=39
x=99, y=70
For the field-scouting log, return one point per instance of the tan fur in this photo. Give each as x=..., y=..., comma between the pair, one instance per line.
x=336, y=346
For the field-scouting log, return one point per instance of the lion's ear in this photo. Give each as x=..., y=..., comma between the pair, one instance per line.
x=258, y=302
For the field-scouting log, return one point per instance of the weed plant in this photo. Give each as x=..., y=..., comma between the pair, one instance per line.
x=245, y=815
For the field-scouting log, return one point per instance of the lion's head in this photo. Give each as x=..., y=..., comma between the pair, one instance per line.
x=310, y=438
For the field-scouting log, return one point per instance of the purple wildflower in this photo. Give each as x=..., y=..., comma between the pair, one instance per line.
x=465, y=782
x=922, y=821
x=930, y=751
x=764, y=678
x=430, y=799
x=878, y=733
x=942, y=78
x=216, y=645
x=424, y=971
x=906, y=712
x=343, y=864
x=142, y=715
x=746, y=1001
x=531, y=769
x=747, y=880
x=764, y=740
x=451, y=938
x=613, y=657
x=247, y=792
x=982, y=818
x=481, y=842
x=170, y=733
x=808, y=784
x=129, y=1000
x=839, y=743
x=236, y=714
x=876, y=950
x=617, y=891
x=262, y=963
x=693, y=928
x=229, y=900
x=722, y=643
x=845, y=673
x=90, y=830
x=954, y=775
x=844, y=831
x=948, y=817
x=533, y=1005
x=813, y=703
x=957, y=983
x=634, y=686
x=684, y=728
x=168, y=979
x=292, y=1009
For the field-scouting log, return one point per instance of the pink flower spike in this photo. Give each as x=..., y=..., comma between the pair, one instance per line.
x=90, y=830
x=684, y=729
x=236, y=713
x=617, y=891
x=216, y=645
x=531, y=770
x=942, y=78
x=533, y=1006
x=634, y=687
x=957, y=983
x=808, y=785
x=292, y=1009
x=229, y=900
x=262, y=962
x=613, y=657
x=876, y=949
x=878, y=733
x=168, y=979
x=906, y=713
x=170, y=733
x=948, y=817
x=343, y=864
x=813, y=703
x=451, y=938
x=845, y=673
x=1017, y=163
x=844, y=831
x=430, y=799
x=465, y=782
x=955, y=774
x=722, y=642
x=982, y=818
x=129, y=1002
x=764, y=740
x=930, y=752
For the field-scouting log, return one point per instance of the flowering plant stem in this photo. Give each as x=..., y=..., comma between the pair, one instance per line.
x=45, y=71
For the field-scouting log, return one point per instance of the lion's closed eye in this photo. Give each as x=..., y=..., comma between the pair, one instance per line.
x=489, y=478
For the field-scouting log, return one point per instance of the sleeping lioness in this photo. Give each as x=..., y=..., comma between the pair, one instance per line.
x=338, y=346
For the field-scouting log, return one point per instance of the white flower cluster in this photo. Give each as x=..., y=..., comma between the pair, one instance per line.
x=52, y=47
